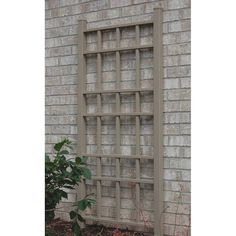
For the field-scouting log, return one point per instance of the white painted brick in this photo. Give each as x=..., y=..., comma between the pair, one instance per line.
x=177, y=152
x=58, y=51
x=174, y=106
x=183, y=117
x=61, y=110
x=180, y=164
x=178, y=26
x=185, y=82
x=177, y=186
x=170, y=38
x=52, y=4
x=172, y=174
x=171, y=83
x=61, y=70
x=69, y=60
x=61, y=90
x=185, y=129
x=60, y=120
x=133, y=10
x=68, y=2
x=179, y=49
x=51, y=62
x=185, y=59
x=176, y=4
x=180, y=71
x=177, y=208
x=175, y=15
x=60, y=100
x=179, y=140
x=178, y=94
x=120, y=3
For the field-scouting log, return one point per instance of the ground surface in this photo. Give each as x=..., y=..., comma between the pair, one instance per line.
x=63, y=228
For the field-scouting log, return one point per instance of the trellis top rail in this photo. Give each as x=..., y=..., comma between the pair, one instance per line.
x=118, y=26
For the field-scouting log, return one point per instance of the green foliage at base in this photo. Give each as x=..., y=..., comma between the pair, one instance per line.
x=63, y=174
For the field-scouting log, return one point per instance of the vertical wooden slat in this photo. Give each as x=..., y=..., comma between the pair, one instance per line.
x=137, y=33
x=118, y=77
x=158, y=127
x=137, y=131
x=81, y=99
x=117, y=124
x=99, y=145
x=137, y=122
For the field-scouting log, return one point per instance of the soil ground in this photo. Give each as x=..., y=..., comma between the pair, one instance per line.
x=63, y=228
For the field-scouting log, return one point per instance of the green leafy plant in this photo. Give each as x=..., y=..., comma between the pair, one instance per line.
x=62, y=173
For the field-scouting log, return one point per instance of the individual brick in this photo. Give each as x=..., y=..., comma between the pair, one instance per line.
x=69, y=2
x=174, y=106
x=133, y=10
x=179, y=49
x=58, y=51
x=57, y=129
x=68, y=60
x=177, y=163
x=51, y=62
x=175, y=117
x=176, y=4
x=61, y=31
x=177, y=152
x=61, y=100
x=170, y=218
x=61, y=70
x=185, y=82
x=179, y=140
x=120, y=3
x=61, y=110
x=171, y=83
x=178, y=94
x=177, y=186
x=178, y=71
x=173, y=174
x=180, y=208
x=178, y=26
x=52, y=4
x=67, y=119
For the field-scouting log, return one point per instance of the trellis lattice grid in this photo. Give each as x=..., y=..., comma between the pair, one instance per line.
x=120, y=120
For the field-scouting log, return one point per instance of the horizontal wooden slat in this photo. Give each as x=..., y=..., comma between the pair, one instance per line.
x=109, y=220
x=144, y=181
x=119, y=114
x=118, y=26
x=117, y=49
x=119, y=91
x=118, y=156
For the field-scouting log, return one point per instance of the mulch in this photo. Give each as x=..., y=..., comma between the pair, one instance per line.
x=63, y=228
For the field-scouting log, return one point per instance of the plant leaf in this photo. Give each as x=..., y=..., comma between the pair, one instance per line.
x=76, y=229
x=82, y=204
x=86, y=172
x=73, y=214
x=80, y=218
x=64, y=152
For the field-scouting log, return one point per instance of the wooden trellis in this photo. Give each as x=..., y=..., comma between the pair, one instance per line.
x=137, y=114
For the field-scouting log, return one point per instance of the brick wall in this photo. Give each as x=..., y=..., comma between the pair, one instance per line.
x=61, y=92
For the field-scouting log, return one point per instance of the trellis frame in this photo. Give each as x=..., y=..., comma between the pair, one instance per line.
x=157, y=117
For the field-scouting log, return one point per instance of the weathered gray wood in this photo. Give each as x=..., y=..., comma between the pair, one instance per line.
x=158, y=126
x=118, y=49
